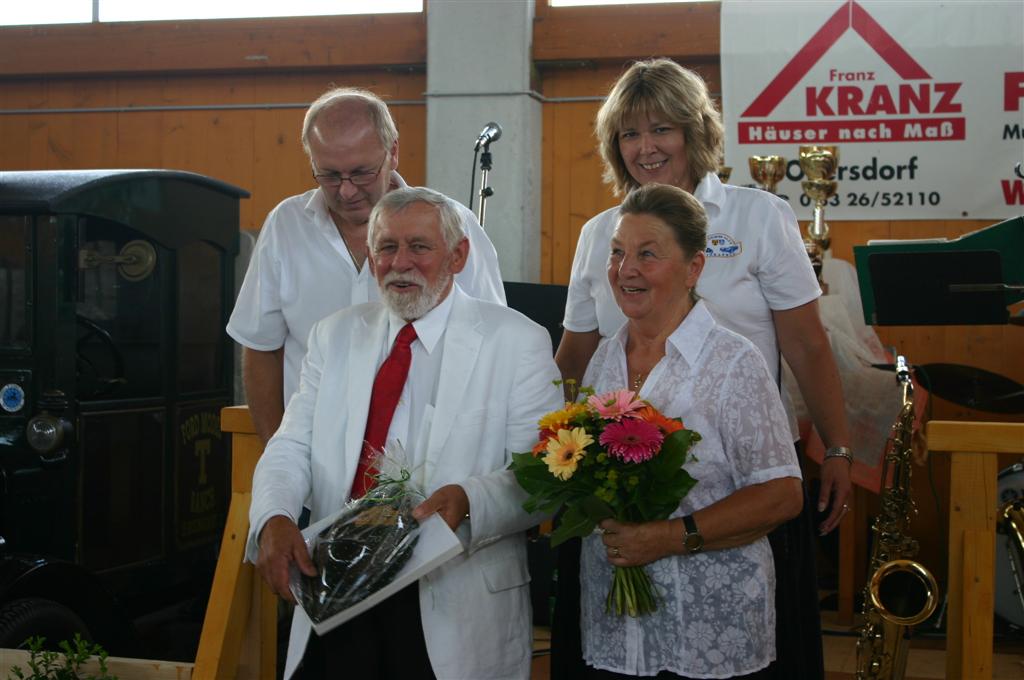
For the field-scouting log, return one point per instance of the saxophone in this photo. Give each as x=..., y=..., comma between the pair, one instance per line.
x=1010, y=521
x=900, y=592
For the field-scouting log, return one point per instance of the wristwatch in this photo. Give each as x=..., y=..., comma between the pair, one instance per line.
x=693, y=541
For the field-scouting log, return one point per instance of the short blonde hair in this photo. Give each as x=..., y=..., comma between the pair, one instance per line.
x=661, y=87
x=376, y=110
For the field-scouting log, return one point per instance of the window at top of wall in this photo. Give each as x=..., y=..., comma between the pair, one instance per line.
x=49, y=12
x=133, y=10
x=81, y=11
x=578, y=3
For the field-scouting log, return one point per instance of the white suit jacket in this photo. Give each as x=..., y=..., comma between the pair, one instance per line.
x=495, y=383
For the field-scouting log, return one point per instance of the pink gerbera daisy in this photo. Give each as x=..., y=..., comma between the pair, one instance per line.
x=632, y=440
x=615, y=405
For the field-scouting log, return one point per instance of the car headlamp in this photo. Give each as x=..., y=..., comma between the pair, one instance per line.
x=45, y=433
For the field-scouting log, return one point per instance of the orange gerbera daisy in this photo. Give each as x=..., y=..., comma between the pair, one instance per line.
x=542, y=445
x=654, y=417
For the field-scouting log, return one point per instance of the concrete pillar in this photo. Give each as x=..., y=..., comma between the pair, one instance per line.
x=478, y=70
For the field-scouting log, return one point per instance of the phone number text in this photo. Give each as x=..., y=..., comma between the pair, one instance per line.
x=883, y=199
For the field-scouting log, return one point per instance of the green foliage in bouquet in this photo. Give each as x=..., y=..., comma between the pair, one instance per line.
x=611, y=455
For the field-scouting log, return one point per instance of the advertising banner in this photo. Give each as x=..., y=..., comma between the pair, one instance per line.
x=923, y=100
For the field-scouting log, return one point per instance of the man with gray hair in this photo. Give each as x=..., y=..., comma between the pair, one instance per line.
x=309, y=259
x=475, y=379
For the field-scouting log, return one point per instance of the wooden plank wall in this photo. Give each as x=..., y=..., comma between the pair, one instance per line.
x=216, y=65
x=255, y=148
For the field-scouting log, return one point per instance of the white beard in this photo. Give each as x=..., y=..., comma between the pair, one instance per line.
x=412, y=306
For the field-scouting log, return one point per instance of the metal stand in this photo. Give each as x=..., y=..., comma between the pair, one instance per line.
x=485, y=190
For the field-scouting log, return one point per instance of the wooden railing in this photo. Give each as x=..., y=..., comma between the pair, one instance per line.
x=239, y=638
x=973, y=449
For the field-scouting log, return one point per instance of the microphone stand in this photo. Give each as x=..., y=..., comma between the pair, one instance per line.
x=485, y=191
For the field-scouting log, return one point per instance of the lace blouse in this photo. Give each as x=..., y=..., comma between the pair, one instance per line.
x=716, y=613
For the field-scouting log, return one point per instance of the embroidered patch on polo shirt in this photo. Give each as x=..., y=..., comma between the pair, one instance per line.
x=723, y=245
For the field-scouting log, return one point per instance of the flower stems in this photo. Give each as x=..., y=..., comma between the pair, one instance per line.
x=631, y=593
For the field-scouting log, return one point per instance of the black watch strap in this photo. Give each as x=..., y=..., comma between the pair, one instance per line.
x=693, y=541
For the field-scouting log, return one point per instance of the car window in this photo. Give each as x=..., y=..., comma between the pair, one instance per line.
x=14, y=291
x=201, y=347
x=119, y=314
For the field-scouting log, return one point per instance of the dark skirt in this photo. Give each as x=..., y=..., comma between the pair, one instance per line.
x=798, y=652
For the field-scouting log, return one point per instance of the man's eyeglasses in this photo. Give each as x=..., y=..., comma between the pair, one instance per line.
x=333, y=180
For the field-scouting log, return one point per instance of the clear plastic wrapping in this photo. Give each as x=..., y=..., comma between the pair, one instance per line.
x=362, y=549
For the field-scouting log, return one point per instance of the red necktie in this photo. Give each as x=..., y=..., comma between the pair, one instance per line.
x=387, y=389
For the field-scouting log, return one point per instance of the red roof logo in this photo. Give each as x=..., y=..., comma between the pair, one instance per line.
x=849, y=15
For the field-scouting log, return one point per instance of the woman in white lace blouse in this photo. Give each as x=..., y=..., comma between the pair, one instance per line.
x=711, y=563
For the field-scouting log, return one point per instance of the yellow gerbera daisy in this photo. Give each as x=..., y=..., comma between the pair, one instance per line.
x=565, y=452
x=561, y=418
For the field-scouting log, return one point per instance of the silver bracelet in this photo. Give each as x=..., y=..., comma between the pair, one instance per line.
x=839, y=452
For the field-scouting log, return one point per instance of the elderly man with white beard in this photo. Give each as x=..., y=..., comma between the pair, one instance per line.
x=475, y=378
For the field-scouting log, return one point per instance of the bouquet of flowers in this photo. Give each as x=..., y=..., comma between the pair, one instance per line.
x=362, y=548
x=609, y=455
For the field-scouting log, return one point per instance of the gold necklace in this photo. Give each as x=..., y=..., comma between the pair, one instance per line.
x=355, y=263
x=638, y=382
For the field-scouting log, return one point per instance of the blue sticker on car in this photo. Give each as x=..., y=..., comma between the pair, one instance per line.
x=12, y=397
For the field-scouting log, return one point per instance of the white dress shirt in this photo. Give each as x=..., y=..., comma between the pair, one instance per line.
x=409, y=426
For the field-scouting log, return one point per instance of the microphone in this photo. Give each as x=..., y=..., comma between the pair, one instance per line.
x=491, y=133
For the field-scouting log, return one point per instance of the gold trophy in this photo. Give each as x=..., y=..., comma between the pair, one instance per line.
x=819, y=164
x=724, y=172
x=767, y=171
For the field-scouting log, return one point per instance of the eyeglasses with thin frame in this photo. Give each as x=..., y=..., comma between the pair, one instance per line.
x=333, y=180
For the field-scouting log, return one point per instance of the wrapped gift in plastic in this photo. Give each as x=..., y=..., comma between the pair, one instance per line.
x=363, y=548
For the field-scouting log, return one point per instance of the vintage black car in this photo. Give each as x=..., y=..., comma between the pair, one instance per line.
x=115, y=286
